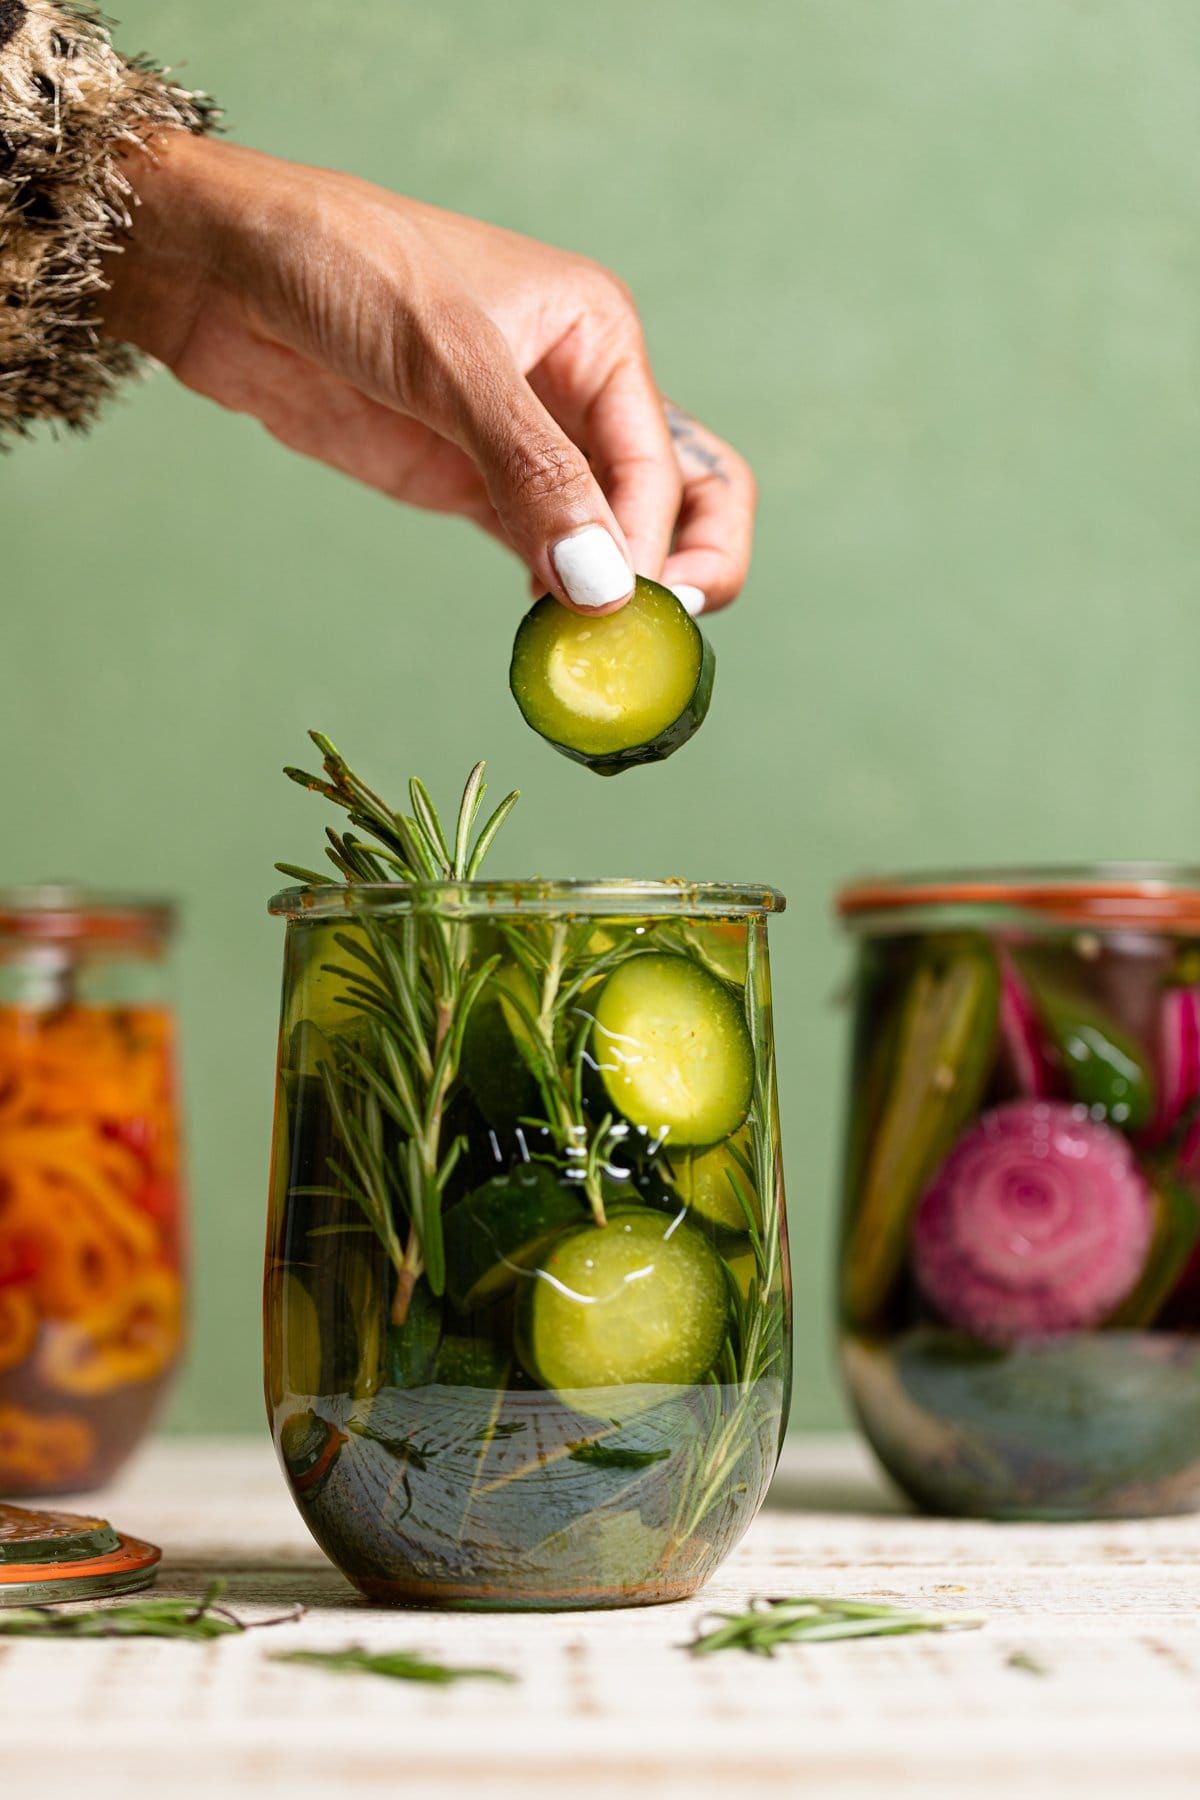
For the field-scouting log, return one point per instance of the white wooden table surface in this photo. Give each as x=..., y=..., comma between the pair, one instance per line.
x=609, y=1702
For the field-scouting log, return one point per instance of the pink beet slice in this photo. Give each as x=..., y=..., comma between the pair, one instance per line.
x=1038, y=1222
x=1178, y=1055
x=1020, y=1035
x=1189, y=1155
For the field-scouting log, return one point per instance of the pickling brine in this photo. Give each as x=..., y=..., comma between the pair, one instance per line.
x=1020, y=1264
x=527, y=1290
x=91, y=1281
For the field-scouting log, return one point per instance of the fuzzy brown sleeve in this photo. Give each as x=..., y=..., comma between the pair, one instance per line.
x=68, y=104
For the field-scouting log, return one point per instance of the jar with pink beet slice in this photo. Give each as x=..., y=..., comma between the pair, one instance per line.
x=1019, y=1272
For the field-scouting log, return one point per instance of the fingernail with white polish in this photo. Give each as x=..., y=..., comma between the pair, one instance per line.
x=692, y=599
x=591, y=568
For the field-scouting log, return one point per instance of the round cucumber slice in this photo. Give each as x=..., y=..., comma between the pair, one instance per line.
x=709, y=1182
x=673, y=1051
x=51, y=1537
x=627, y=688
x=316, y=992
x=321, y=1007
x=742, y=1264
x=299, y=1337
x=495, y=1050
x=641, y=1299
x=502, y=1228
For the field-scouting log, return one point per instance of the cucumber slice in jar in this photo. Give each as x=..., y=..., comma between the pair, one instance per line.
x=496, y=1048
x=643, y=1299
x=321, y=1008
x=709, y=1183
x=502, y=1228
x=1104, y=1067
x=673, y=1051
x=473, y=1362
x=612, y=692
x=937, y=1065
x=742, y=1264
x=299, y=1336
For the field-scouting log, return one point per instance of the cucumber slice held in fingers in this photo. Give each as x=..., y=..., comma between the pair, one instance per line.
x=611, y=692
x=672, y=1049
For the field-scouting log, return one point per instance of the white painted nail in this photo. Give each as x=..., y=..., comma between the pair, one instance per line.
x=692, y=599
x=591, y=568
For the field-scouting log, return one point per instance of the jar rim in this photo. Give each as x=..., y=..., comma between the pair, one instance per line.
x=1119, y=894
x=67, y=914
x=530, y=899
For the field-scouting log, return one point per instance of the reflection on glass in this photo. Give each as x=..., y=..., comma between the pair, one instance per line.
x=91, y=1298
x=1020, y=1266
x=578, y=1398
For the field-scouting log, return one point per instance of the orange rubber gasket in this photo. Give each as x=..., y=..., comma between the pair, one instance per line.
x=81, y=915
x=135, y=929
x=1127, y=903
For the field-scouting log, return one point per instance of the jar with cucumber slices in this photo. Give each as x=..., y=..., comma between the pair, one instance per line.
x=527, y=1332
x=1019, y=1277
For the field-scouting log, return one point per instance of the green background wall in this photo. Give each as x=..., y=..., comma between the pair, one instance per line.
x=934, y=265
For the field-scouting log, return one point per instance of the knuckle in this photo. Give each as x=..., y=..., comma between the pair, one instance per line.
x=605, y=282
x=609, y=299
x=739, y=476
x=746, y=480
x=535, y=470
x=444, y=347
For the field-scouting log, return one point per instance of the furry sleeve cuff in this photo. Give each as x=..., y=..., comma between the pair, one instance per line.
x=67, y=102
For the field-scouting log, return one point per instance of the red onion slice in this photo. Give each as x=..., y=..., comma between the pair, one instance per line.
x=1020, y=1035
x=1178, y=1056
x=1038, y=1222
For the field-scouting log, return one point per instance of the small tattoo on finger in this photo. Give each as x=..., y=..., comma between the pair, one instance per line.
x=689, y=448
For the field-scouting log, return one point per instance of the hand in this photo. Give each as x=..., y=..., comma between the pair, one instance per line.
x=448, y=363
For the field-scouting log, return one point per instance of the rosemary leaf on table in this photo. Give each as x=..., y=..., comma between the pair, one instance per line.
x=157, y=1617
x=820, y=1619
x=396, y=1665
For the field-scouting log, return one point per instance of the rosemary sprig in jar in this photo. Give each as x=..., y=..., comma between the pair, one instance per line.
x=558, y=963
x=412, y=986
x=740, y=1409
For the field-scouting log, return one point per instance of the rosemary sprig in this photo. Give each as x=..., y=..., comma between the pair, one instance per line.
x=558, y=964
x=1025, y=1663
x=407, y=847
x=757, y=1339
x=411, y=985
x=158, y=1617
x=397, y=1665
x=820, y=1619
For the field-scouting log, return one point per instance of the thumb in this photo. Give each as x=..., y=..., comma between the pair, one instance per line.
x=549, y=503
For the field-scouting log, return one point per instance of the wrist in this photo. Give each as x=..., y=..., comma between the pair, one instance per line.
x=156, y=277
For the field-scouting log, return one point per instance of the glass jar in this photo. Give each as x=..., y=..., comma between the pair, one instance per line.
x=1020, y=1255
x=90, y=1193
x=527, y=1297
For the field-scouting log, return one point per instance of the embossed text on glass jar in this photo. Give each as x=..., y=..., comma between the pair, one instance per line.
x=577, y=1397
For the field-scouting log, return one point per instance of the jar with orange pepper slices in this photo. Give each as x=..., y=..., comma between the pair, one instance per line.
x=91, y=1275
